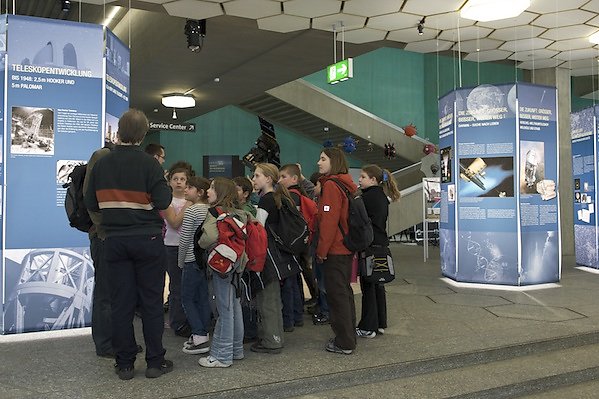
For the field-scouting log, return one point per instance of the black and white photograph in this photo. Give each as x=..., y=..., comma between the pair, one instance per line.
x=32, y=131
x=64, y=167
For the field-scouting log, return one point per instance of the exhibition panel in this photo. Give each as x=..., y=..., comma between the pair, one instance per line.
x=55, y=104
x=499, y=204
x=584, y=169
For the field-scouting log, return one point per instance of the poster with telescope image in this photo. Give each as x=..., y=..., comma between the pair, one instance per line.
x=54, y=109
x=505, y=158
x=583, y=129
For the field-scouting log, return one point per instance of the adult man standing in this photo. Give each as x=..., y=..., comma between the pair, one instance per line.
x=129, y=188
x=157, y=151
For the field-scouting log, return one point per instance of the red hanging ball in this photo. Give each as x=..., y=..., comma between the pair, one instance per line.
x=429, y=149
x=410, y=130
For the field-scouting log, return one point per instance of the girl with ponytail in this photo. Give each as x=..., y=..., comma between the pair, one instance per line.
x=268, y=301
x=378, y=189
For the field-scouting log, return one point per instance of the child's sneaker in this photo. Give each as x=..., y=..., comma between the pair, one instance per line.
x=197, y=349
x=365, y=333
x=332, y=347
x=189, y=342
x=211, y=362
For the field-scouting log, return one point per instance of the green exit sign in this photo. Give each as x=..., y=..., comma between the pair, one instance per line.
x=340, y=71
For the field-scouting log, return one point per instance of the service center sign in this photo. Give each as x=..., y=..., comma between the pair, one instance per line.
x=178, y=127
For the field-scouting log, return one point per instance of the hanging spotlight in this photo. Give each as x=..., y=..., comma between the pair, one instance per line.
x=195, y=30
x=421, y=26
x=66, y=5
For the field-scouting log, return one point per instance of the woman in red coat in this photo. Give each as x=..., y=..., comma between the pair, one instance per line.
x=336, y=259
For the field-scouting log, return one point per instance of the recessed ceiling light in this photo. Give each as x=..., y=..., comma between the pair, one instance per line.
x=493, y=10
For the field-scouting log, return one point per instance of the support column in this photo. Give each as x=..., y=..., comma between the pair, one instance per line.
x=560, y=78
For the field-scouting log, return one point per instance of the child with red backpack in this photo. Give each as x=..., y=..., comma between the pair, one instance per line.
x=227, y=339
x=292, y=287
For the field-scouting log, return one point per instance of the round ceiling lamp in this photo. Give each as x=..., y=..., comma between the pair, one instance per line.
x=178, y=100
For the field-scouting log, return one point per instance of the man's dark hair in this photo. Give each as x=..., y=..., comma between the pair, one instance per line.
x=244, y=183
x=133, y=126
x=154, y=149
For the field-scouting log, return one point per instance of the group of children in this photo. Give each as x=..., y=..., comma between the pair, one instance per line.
x=197, y=293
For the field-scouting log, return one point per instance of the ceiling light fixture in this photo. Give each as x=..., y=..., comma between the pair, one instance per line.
x=195, y=30
x=594, y=38
x=421, y=26
x=66, y=5
x=177, y=100
x=493, y=10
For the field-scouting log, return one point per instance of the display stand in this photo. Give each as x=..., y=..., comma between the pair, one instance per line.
x=431, y=201
x=64, y=86
x=584, y=169
x=499, y=178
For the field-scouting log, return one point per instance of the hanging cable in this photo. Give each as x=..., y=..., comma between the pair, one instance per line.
x=459, y=53
x=342, y=41
x=334, y=45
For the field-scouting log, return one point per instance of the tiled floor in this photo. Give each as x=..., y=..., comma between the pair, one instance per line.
x=427, y=319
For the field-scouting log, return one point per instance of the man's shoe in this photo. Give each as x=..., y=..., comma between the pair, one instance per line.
x=155, y=372
x=320, y=319
x=197, y=349
x=258, y=348
x=332, y=347
x=124, y=373
x=365, y=333
x=288, y=329
x=106, y=355
x=211, y=362
x=381, y=331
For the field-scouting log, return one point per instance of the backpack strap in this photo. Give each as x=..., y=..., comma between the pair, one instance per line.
x=214, y=211
x=348, y=195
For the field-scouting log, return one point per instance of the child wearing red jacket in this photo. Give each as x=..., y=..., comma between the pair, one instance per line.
x=336, y=259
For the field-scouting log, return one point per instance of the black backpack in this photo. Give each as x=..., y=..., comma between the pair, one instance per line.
x=360, y=234
x=73, y=202
x=291, y=233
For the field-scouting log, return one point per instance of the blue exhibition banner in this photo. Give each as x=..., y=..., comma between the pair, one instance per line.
x=54, y=100
x=538, y=180
x=117, y=83
x=583, y=131
x=486, y=205
x=505, y=217
x=447, y=228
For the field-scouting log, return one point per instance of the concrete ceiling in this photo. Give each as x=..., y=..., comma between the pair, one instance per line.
x=254, y=45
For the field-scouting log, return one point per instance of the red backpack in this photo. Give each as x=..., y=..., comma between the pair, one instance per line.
x=308, y=208
x=225, y=254
x=255, y=246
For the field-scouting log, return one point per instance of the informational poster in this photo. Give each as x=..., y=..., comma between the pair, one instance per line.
x=505, y=224
x=117, y=84
x=583, y=126
x=538, y=181
x=447, y=222
x=54, y=100
x=486, y=206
